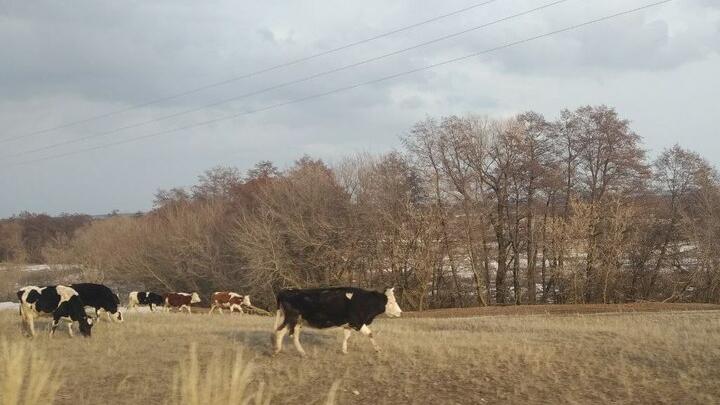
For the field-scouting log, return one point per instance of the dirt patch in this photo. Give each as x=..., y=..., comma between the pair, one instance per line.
x=557, y=309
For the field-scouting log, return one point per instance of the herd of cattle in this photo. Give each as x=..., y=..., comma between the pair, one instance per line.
x=350, y=308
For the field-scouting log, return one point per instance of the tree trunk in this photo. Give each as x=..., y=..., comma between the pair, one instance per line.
x=501, y=252
x=486, y=269
x=531, y=249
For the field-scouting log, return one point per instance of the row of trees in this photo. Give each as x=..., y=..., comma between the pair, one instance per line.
x=472, y=211
x=24, y=238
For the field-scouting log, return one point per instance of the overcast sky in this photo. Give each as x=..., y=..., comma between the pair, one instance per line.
x=66, y=61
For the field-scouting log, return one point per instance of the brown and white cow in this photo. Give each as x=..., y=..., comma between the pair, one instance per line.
x=180, y=300
x=231, y=300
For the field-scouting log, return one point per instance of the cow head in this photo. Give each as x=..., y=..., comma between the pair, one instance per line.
x=246, y=301
x=85, y=326
x=195, y=298
x=392, y=309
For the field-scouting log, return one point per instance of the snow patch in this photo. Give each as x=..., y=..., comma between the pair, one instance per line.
x=6, y=306
x=39, y=267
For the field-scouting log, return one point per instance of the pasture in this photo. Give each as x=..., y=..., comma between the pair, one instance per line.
x=630, y=357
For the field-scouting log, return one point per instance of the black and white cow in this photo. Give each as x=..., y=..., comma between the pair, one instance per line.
x=60, y=301
x=150, y=299
x=346, y=307
x=100, y=297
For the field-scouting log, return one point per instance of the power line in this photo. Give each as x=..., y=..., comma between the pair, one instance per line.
x=341, y=89
x=284, y=84
x=248, y=75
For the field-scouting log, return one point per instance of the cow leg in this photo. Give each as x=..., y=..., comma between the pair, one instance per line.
x=296, y=339
x=346, y=335
x=70, y=331
x=367, y=332
x=151, y=308
x=235, y=306
x=279, y=330
x=212, y=308
x=278, y=318
x=279, y=336
x=29, y=323
x=23, y=321
x=54, y=326
x=23, y=326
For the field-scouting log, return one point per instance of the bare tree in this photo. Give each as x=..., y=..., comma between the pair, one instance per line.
x=466, y=204
x=11, y=242
x=217, y=182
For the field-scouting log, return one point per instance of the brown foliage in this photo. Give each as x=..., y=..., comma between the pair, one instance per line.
x=473, y=211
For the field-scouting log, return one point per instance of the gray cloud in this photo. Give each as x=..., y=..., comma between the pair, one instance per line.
x=62, y=63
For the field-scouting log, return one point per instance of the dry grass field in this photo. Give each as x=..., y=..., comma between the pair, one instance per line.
x=630, y=357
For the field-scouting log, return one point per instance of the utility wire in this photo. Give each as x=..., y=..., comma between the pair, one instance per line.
x=341, y=89
x=248, y=75
x=284, y=84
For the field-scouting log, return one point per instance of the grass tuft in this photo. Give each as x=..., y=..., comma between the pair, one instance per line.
x=26, y=375
x=219, y=381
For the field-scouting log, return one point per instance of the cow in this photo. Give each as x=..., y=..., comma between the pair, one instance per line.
x=180, y=300
x=346, y=307
x=101, y=298
x=148, y=298
x=229, y=300
x=62, y=302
